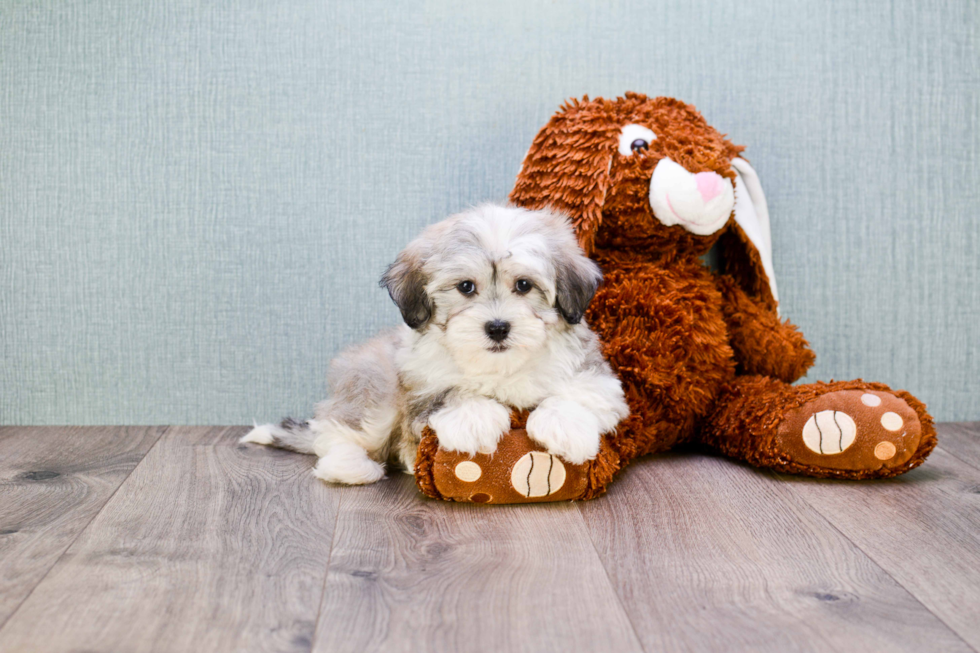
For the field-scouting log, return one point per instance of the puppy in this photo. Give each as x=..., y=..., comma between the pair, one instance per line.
x=492, y=300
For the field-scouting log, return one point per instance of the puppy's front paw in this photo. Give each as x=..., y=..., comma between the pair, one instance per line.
x=566, y=429
x=471, y=427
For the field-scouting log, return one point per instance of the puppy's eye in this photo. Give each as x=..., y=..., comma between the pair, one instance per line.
x=635, y=138
x=466, y=287
x=523, y=286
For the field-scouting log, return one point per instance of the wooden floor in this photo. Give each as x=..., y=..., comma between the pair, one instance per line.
x=180, y=539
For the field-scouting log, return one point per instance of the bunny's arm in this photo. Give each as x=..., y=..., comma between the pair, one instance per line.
x=763, y=344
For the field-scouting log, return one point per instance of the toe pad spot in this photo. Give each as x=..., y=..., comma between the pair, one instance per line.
x=468, y=471
x=885, y=450
x=870, y=400
x=891, y=421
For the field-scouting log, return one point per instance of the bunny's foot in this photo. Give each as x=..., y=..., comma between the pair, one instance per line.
x=851, y=430
x=519, y=471
x=847, y=430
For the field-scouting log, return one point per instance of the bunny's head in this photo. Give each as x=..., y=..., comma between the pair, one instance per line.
x=650, y=174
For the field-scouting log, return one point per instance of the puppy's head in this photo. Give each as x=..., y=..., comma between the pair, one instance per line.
x=492, y=283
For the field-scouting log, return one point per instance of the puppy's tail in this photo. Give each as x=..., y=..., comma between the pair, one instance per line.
x=290, y=434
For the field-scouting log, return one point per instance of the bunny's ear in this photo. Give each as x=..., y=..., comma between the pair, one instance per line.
x=567, y=167
x=746, y=248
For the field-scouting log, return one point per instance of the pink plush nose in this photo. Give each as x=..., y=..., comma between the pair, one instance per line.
x=709, y=185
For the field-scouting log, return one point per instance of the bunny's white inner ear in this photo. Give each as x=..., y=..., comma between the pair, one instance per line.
x=752, y=215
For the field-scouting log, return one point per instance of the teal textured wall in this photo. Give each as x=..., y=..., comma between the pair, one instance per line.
x=197, y=199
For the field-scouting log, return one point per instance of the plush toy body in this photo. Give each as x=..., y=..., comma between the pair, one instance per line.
x=703, y=354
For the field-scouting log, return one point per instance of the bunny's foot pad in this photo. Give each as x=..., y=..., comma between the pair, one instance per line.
x=851, y=430
x=519, y=471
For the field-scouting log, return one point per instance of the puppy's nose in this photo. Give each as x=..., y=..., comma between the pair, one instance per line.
x=497, y=330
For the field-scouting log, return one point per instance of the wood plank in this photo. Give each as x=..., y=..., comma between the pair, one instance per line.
x=53, y=481
x=710, y=555
x=208, y=546
x=961, y=439
x=412, y=574
x=923, y=528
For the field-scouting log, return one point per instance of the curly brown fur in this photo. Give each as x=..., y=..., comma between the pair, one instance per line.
x=424, y=460
x=763, y=344
x=703, y=355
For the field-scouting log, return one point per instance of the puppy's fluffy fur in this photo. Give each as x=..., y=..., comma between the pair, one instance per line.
x=492, y=300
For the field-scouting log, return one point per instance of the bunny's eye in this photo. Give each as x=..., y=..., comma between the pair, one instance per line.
x=635, y=138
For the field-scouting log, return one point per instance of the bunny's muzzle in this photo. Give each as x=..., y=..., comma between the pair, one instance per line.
x=700, y=203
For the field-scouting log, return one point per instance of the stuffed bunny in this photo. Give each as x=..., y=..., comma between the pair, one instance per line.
x=703, y=354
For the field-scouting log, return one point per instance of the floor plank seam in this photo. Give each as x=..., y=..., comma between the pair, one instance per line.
x=326, y=575
x=875, y=562
x=13, y=612
x=605, y=572
x=969, y=463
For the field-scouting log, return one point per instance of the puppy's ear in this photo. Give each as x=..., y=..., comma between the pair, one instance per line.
x=405, y=282
x=577, y=278
x=567, y=167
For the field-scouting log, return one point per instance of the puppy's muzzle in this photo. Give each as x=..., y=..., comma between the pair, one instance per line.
x=497, y=330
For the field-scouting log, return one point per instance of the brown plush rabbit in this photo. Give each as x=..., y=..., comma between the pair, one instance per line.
x=703, y=354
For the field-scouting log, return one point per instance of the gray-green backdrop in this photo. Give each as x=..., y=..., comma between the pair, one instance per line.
x=197, y=198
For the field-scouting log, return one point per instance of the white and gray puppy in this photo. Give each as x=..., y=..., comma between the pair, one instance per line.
x=493, y=300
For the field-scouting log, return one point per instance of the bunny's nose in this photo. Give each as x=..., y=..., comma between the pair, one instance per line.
x=709, y=185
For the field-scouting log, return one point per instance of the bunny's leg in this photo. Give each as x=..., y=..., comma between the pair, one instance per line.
x=846, y=429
